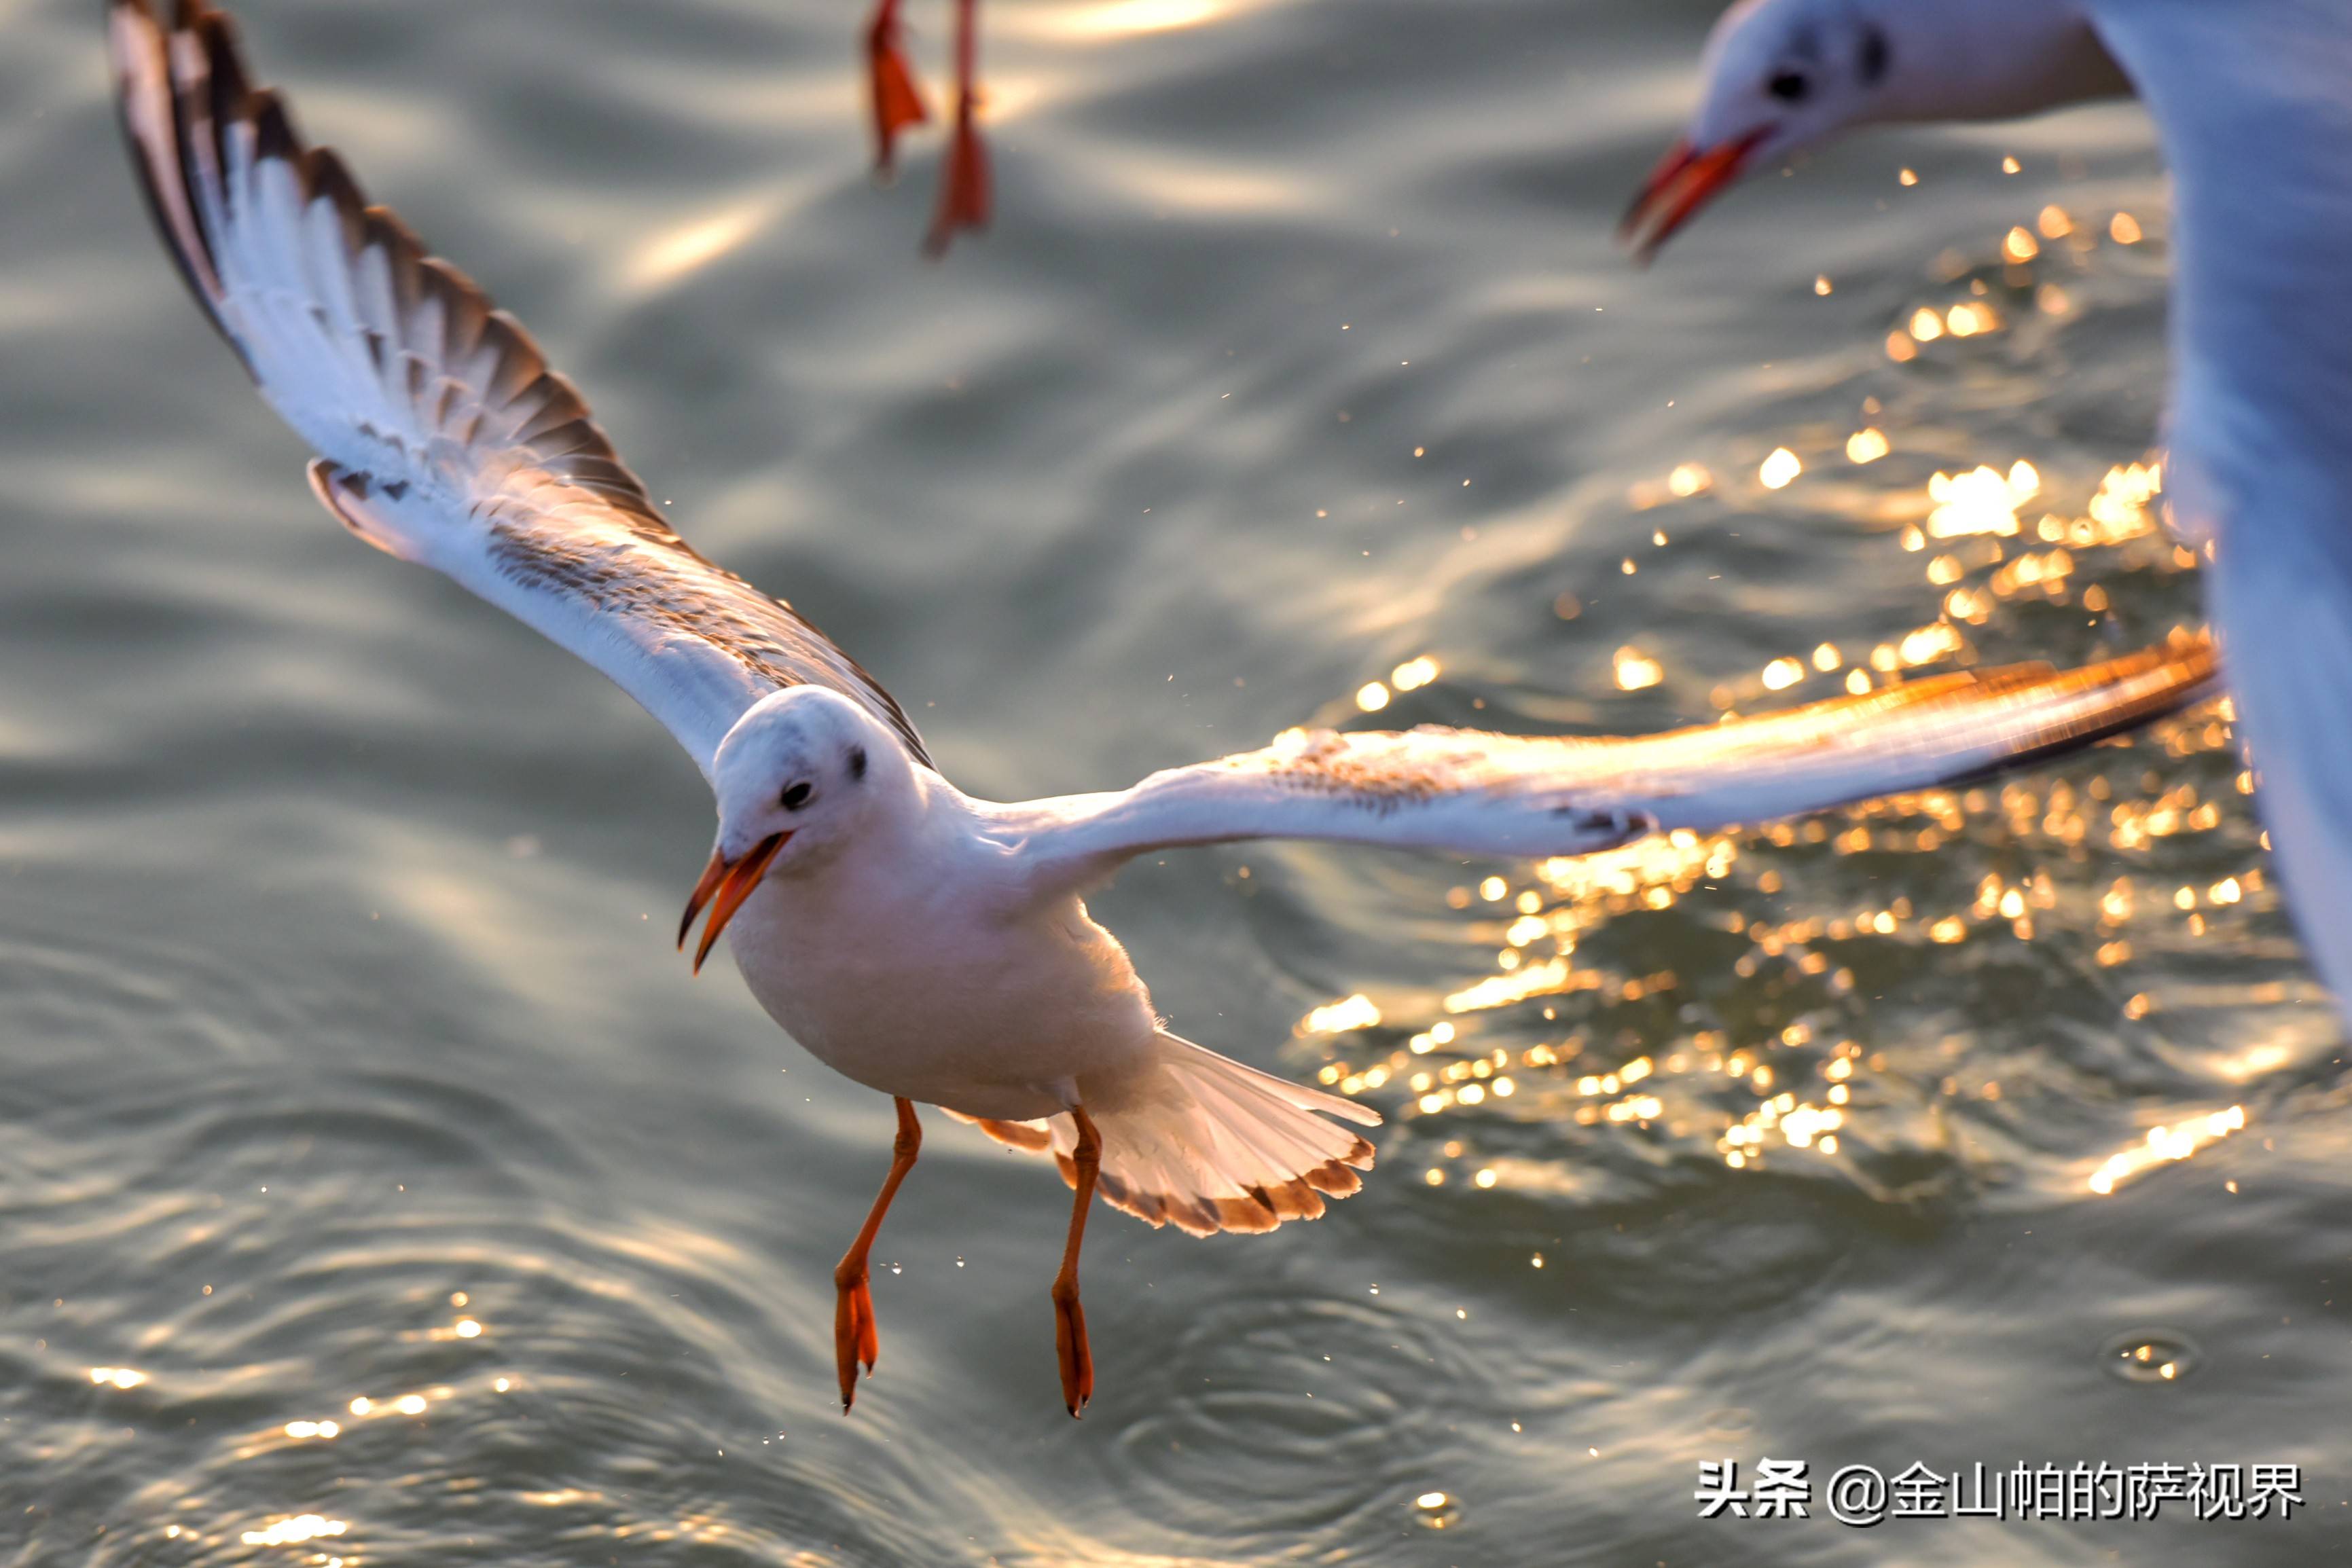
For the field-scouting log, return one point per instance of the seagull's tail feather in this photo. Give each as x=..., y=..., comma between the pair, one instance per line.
x=1206, y=1144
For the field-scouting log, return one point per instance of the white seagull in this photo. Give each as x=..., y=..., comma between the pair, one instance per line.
x=2253, y=103
x=443, y=439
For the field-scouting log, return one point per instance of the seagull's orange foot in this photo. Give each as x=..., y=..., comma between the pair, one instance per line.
x=964, y=192
x=891, y=94
x=1070, y=1343
x=855, y=1341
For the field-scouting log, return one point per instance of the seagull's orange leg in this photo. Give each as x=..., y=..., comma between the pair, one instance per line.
x=853, y=1339
x=1069, y=1317
x=891, y=85
x=964, y=193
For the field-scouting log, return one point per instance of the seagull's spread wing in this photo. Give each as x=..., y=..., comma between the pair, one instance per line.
x=1512, y=795
x=442, y=435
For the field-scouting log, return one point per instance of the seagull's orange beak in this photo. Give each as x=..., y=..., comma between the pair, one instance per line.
x=724, y=886
x=1682, y=183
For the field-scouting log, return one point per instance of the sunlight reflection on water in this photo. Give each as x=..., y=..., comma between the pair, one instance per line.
x=1781, y=1141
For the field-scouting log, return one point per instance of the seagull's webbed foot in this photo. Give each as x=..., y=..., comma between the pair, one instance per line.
x=1070, y=1345
x=855, y=1340
x=965, y=190
x=1077, y=1360
x=891, y=94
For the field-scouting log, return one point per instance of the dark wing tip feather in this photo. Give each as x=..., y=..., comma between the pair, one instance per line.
x=465, y=308
x=520, y=363
x=273, y=128
x=146, y=84
x=227, y=89
x=560, y=404
x=324, y=177
x=404, y=256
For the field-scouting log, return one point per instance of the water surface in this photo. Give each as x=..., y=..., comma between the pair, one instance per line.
x=348, y=1060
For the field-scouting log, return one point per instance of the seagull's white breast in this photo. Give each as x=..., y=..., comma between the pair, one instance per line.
x=915, y=967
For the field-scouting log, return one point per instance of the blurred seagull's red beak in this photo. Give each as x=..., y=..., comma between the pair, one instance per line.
x=724, y=886
x=1681, y=184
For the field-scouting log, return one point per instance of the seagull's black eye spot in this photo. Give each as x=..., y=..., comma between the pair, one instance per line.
x=857, y=762
x=796, y=795
x=1874, y=56
x=1789, y=87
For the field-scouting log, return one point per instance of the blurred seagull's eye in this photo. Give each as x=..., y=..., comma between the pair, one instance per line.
x=1874, y=56
x=1789, y=87
x=796, y=795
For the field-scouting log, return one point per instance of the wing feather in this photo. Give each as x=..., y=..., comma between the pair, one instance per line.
x=1472, y=792
x=443, y=435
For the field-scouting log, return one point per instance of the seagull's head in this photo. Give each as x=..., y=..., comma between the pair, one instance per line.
x=795, y=776
x=1785, y=74
x=1780, y=75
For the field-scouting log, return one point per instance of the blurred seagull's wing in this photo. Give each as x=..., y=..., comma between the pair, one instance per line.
x=442, y=435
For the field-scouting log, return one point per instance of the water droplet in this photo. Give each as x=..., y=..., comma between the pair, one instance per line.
x=2151, y=1355
x=1436, y=1511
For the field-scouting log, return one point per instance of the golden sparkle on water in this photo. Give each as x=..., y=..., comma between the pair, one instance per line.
x=1636, y=671
x=1981, y=501
x=1801, y=1094
x=2177, y=1142
x=1340, y=1017
x=1446, y=1067
x=292, y=1530
x=1414, y=673
x=2020, y=249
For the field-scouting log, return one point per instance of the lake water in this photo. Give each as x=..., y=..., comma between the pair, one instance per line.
x=350, y=1078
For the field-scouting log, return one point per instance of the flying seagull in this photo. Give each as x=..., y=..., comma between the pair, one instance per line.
x=2252, y=109
x=443, y=439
